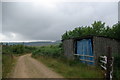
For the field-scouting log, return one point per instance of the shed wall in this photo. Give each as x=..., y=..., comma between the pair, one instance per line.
x=69, y=49
x=119, y=47
x=100, y=45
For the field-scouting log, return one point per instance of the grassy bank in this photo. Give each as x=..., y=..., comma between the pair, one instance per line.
x=8, y=62
x=70, y=69
x=53, y=57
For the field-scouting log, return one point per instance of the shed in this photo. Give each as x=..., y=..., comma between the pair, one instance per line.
x=89, y=48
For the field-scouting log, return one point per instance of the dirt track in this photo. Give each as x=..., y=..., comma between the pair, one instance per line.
x=27, y=67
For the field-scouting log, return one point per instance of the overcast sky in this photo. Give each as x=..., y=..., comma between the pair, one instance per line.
x=49, y=20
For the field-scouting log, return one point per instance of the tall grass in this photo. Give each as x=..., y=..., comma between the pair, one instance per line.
x=52, y=56
x=8, y=61
x=70, y=69
x=54, y=51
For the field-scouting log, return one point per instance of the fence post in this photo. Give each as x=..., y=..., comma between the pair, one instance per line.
x=109, y=62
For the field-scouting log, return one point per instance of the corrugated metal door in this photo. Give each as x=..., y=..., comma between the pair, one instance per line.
x=84, y=49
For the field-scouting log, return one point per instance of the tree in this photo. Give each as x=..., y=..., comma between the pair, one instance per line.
x=98, y=28
x=116, y=31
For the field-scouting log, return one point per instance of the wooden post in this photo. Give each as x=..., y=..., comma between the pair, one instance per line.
x=109, y=61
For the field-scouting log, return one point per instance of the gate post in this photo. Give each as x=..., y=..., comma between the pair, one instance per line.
x=109, y=64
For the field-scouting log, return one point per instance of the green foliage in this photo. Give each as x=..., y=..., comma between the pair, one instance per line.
x=98, y=28
x=52, y=56
x=0, y=61
x=116, y=31
x=9, y=53
x=70, y=68
x=116, y=67
x=7, y=64
x=16, y=49
x=51, y=51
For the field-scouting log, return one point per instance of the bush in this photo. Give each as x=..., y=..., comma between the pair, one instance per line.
x=54, y=51
x=116, y=67
x=17, y=49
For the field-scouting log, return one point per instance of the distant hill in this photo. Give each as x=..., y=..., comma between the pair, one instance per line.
x=35, y=43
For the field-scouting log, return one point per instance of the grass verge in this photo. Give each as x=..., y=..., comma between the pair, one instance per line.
x=8, y=62
x=70, y=69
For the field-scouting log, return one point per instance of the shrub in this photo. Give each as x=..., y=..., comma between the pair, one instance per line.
x=116, y=67
x=54, y=51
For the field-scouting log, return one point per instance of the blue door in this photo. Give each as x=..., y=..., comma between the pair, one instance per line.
x=84, y=49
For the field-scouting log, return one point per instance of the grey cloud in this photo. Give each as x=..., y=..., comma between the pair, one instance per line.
x=0, y=17
x=119, y=11
x=50, y=23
